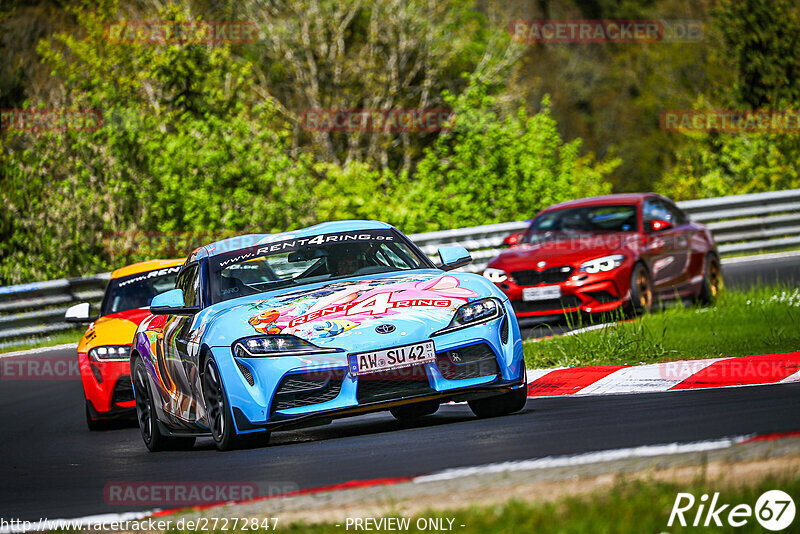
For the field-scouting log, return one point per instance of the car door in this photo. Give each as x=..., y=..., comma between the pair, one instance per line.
x=666, y=245
x=178, y=352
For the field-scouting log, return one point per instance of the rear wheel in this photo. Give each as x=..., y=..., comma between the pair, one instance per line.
x=712, y=280
x=641, y=289
x=153, y=438
x=409, y=412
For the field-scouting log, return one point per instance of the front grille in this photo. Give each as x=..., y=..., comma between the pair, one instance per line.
x=394, y=384
x=123, y=390
x=468, y=362
x=305, y=389
x=554, y=275
x=555, y=305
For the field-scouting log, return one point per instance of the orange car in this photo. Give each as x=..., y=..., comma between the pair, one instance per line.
x=104, y=350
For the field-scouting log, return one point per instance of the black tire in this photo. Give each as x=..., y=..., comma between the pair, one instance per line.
x=713, y=282
x=504, y=404
x=93, y=424
x=410, y=412
x=220, y=419
x=151, y=433
x=641, y=290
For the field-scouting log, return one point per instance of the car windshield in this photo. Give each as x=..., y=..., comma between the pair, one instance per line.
x=297, y=261
x=586, y=219
x=137, y=290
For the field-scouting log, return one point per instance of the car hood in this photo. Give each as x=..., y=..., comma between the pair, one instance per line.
x=113, y=329
x=345, y=314
x=567, y=251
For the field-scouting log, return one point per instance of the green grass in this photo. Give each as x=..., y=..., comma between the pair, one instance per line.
x=59, y=338
x=758, y=321
x=628, y=507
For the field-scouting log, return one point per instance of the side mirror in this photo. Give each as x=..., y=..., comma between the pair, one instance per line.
x=171, y=303
x=656, y=225
x=513, y=240
x=454, y=257
x=79, y=313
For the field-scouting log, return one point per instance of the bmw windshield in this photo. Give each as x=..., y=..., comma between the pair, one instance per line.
x=297, y=261
x=583, y=220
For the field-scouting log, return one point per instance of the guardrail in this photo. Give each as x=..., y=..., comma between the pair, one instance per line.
x=742, y=223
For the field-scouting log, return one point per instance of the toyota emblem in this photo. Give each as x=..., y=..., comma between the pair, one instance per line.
x=541, y=264
x=384, y=328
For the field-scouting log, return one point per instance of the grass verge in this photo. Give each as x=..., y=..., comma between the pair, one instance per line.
x=741, y=323
x=629, y=506
x=59, y=338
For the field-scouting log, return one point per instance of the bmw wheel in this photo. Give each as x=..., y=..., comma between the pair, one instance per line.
x=641, y=289
x=713, y=282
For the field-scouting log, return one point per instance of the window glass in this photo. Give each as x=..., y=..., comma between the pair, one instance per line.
x=137, y=290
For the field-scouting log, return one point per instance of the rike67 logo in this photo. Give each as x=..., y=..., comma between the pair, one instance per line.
x=774, y=510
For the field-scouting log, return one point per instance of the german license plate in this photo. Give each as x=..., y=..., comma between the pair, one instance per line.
x=363, y=363
x=541, y=293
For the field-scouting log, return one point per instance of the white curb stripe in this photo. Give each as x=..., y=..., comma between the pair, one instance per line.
x=38, y=350
x=581, y=459
x=646, y=378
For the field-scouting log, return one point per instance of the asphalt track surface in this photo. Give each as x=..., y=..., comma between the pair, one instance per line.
x=51, y=466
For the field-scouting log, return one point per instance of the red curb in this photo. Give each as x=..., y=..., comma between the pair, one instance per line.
x=745, y=370
x=771, y=437
x=568, y=381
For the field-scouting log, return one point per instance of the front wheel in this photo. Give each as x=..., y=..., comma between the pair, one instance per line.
x=504, y=404
x=153, y=437
x=409, y=412
x=641, y=290
x=220, y=420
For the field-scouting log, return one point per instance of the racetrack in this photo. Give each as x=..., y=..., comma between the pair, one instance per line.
x=52, y=466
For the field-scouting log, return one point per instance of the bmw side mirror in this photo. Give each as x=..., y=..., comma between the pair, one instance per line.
x=171, y=303
x=79, y=313
x=454, y=257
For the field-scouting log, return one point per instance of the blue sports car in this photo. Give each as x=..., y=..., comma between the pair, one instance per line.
x=281, y=331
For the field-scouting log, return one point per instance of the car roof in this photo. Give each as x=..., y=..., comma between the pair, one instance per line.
x=620, y=198
x=249, y=240
x=145, y=266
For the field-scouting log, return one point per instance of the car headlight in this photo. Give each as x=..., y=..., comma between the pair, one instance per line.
x=474, y=313
x=276, y=345
x=108, y=353
x=602, y=265
x=497, y=276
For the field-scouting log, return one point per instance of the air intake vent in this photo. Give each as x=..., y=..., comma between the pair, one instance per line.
x=248, y=374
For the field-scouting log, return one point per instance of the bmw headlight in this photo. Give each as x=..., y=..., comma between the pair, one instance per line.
x=110, y=353
x=276, y=345
x=497, y=276
x=474, y=313
x=602, y=265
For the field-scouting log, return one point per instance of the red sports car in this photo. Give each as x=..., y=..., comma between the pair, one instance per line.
x=598, y=254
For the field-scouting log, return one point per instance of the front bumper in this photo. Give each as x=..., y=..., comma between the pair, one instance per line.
x=255, y=406
x=581, y=292
x=107, y=386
